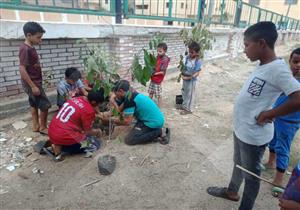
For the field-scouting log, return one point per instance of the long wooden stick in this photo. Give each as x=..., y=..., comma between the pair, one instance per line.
x=255, y=175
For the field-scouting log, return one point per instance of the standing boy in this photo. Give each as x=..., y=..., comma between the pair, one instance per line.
x=192, y=65
x=286, y=128
x=253, y=113
x=31, y=75
x=162, y=62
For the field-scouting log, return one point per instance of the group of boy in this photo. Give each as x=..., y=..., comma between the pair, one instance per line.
x=253, y=111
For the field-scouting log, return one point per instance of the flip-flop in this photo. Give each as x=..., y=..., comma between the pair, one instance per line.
x=43, y=132
x=277, y=191
x=54, y=157
x=38, y=147
x=220, y=192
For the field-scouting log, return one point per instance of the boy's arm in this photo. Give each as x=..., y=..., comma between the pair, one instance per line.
x=288, y=204
x=24, y=75
x=163, y=67
x=292, y=105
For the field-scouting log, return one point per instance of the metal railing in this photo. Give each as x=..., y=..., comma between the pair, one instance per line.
x=88, y=7
x=221, y=12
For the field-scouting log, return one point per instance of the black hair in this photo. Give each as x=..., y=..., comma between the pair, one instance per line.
x=265, y=30
x=32, y=28
x=121, y=85
x=98, y=96
x=194, y=46
x=295, y=51
x=72, y=73
x=163, y=46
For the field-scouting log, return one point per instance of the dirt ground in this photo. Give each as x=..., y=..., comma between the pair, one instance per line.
x=151, y=176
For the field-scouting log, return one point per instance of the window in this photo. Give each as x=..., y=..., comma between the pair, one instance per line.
x=254, y=2
x=290, y=1
x=182, y=5
x=145, y=6
x=167, y=4
x=106, y=1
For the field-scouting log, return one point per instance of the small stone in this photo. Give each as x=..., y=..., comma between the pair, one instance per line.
x=19, y=125
x=28, y=139
x=11, y=167
x=132, y=158
x=2, y=191
x=3, y=139
x=35, y=170
x=203, y=171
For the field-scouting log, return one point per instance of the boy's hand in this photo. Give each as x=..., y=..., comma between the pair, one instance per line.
x=288, y=204
x=36, y=91
x=186, y=77
x=264, y=117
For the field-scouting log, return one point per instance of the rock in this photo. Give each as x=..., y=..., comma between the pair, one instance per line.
x=19, y=125
x=3, y=139
x=11, y=167
x=106, y=164
x=28, y=139
x=2, y=191
x=132, y=158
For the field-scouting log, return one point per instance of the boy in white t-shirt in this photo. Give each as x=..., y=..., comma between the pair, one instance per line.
x=253, y=113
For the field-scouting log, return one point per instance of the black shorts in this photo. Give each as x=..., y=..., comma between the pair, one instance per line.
x=40, y=102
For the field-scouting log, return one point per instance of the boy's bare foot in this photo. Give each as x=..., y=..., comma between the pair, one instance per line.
x=278, y=180
x=56, y=149
x=35, y=128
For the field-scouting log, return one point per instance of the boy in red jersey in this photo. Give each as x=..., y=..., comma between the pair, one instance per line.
x=73, y=123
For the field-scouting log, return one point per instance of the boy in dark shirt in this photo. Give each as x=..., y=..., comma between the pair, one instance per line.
x=31, y=75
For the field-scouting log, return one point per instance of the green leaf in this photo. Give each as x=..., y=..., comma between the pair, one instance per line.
x=96, y=86
x=90, y=77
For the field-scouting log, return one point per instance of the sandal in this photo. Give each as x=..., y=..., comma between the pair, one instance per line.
x=165, y=139
x=220, y=192
x=38, y=147
x=277, y=191
x=56, y=158
x=44, y=132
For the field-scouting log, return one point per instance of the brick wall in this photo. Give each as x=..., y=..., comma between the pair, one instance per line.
x=58, y=54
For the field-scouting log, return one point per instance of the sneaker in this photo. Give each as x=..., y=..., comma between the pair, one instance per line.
x=185, y=112
x=166, y=138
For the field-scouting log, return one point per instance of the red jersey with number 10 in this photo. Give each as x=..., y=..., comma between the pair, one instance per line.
x=68, y=126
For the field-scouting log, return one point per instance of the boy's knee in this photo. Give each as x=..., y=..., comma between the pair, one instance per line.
x=129, y=141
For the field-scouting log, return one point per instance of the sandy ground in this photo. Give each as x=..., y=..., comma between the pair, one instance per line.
x=173, y=176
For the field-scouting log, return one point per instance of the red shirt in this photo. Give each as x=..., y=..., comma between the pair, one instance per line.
x=68, y=126
x=162, y=63
x=30, y=59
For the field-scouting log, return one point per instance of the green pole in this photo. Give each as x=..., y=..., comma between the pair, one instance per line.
x=112, y=6
x=170, y=11
x=238, y=13
x=199, y=13
x=125, y=7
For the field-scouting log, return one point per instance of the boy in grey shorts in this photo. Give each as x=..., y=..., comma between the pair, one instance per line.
x=31, y=75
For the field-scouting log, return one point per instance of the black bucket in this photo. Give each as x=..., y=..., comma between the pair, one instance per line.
x=178, y=100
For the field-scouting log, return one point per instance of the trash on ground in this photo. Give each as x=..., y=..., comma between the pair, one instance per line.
x=19, y=125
